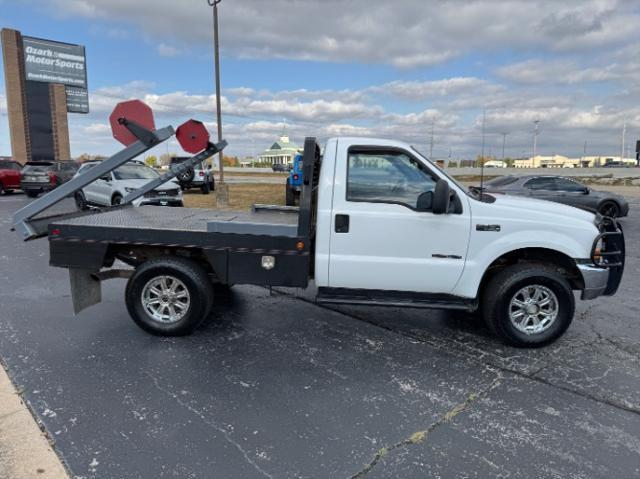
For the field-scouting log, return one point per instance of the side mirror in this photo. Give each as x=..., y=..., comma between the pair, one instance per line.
x=441, y=198
x=425, y=201
x=585, y=191
x=105, y=178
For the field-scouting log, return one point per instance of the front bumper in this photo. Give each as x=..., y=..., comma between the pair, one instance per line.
x=595, y=280
x=603, y=273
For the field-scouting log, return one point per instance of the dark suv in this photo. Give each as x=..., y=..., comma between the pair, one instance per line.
x=196, y=177
x=40, y=176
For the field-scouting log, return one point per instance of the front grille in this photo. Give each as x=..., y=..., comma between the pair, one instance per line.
x=162, y=193
x=612, y=251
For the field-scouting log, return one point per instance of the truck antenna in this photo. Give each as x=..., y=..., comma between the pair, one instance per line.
x=484, y=121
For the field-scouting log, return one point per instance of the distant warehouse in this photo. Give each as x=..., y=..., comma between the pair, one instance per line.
x=559, y=161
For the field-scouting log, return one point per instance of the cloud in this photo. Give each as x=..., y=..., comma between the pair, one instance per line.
x=537, y=71
x=413, y=34
x=165, y=50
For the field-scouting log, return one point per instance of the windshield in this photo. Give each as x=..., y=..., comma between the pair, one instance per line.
x=37, y=167
x=9, y=165
x=134, y=172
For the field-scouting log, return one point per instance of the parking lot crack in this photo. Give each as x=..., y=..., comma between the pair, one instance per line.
x=420, y=436
x=211, y=423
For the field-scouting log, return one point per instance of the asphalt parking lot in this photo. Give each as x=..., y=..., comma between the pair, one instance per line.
x=275, y=386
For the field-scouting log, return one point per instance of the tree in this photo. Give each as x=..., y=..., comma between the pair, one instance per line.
x=230, y=161
x=453, y=164
x=151, y=161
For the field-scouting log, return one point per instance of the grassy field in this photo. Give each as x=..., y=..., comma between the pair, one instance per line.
x=241, y=196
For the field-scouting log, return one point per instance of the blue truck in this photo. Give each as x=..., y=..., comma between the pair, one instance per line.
x=294, y=183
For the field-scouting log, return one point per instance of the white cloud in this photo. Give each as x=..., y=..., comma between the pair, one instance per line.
x=165, y=50
x=407, y=34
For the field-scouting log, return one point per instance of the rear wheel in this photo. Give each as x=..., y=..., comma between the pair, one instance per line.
x=528, y=304
x=610, y=209
x=32, y=193
x=169, y=296
x=205, y=188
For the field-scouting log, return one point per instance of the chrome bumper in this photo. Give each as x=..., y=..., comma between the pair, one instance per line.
x=595, y=280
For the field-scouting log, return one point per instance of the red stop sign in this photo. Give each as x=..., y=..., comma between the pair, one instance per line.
x=192, y=136
x=133, y=110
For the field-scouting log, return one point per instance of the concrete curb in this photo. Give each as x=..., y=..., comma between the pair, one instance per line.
x=25, y=451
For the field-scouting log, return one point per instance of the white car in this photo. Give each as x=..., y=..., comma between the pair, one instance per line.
x=114, y=186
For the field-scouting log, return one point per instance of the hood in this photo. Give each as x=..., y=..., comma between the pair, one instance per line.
x=169, y=185
x=519, y=204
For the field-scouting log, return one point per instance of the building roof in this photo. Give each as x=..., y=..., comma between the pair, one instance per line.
x=283, y=145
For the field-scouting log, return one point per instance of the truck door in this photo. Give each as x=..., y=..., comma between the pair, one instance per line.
x=379, y=240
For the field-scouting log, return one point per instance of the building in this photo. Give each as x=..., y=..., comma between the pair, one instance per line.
x=282, y=152
x=495, y=164
x=595, y=161
x=555, y=161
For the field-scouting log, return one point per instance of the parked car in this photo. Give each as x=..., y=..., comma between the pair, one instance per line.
x=9, y=176
x=293, y=188
x=41, y=176
x=198, y=177
x=561, y=190
x=111, y=189
x=281, y=167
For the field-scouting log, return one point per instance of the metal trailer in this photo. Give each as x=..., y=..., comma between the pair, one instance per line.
x=269, y=246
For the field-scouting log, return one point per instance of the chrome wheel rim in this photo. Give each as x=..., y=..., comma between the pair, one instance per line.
x=166, y=299
x=533, y=309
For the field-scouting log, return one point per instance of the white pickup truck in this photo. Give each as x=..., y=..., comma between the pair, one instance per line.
x=378, y=224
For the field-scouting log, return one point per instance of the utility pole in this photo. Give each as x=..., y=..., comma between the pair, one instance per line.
x=484, y=121
x=624, y=132
x=504, y=141
x=216, y=47
x=431, y=140
x=535, y=138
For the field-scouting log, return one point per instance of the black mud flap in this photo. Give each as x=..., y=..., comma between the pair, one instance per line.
x=86, y=289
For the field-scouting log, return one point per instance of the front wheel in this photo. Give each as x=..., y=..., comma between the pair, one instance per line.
x=528, y=305
x=81, y=202
x=169, y=296
x=610, y=209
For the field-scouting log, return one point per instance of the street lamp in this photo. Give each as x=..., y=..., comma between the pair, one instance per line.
x=214, y=4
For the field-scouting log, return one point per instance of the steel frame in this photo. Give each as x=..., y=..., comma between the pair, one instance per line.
x=22, y=219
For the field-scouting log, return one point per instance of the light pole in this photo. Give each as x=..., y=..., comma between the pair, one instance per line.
x=216, y=47
x=535, y=138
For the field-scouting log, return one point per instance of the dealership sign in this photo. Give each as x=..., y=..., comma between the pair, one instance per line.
x=55, y=62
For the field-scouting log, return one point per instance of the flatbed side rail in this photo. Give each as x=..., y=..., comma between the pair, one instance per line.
x=23, y=219
x=175, y=170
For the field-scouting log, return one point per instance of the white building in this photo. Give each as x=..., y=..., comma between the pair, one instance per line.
x=282, y=152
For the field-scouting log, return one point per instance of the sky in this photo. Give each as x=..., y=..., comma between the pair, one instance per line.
x=370, y=68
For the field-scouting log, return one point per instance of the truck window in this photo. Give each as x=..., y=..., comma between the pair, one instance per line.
x=386, y=177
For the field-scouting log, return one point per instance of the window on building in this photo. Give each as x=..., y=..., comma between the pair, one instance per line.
x=387, y=177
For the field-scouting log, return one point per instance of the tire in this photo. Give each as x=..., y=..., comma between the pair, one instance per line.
x=507, y=285
x=8, y=192
x=290, y=197
x=116, y=200
x=1, y=189
x=81, y=202
x=609, y=208
x=187, y=176
x=191, y=277
x=213, y=183
x=205, y=188
x=32, y=193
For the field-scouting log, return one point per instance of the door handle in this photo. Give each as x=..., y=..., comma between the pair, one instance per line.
x=342, y=223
